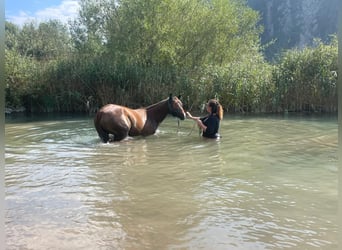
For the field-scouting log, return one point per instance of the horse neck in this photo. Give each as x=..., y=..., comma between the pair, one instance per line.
x=158, y=111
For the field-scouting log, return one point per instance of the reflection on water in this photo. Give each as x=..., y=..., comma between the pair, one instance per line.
x=269, y=183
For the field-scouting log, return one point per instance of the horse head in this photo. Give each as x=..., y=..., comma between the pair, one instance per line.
x=176, y=107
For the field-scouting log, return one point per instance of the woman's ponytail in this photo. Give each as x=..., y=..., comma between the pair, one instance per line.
x=219, y=111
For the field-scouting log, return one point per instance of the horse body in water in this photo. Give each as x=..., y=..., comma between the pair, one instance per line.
x=122, y=121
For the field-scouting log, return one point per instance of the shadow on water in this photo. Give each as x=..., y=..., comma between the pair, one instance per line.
x=269, y=183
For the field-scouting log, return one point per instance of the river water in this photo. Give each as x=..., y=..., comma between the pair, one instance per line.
x=270, y=182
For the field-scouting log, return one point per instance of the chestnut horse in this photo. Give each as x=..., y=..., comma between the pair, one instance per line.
x=122, y=121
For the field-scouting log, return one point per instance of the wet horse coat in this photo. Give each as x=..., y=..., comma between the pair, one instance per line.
x=122, y=121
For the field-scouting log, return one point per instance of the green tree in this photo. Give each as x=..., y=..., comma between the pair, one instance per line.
x=187, y=33
x=11, y=33
x=89, y=31
x=45, y=41
x=155, y=45
x=29, y=52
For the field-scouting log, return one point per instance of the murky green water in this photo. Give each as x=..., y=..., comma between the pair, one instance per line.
x=269, y=183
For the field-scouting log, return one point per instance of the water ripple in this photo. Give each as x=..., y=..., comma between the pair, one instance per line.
x=269, y=183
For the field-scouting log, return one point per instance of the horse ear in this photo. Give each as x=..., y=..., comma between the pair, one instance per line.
x=170, y=97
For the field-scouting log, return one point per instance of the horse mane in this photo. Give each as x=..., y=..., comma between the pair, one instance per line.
x=156, y=104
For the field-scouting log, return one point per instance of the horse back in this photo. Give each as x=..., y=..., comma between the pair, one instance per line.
x=116, y=117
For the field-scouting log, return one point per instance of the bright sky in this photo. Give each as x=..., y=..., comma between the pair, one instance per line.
x=22, y=11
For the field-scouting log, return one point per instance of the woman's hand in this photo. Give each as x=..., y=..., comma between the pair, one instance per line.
x=191, y=117
x=197, y=120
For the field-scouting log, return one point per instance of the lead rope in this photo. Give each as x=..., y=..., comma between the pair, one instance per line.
x=193, y=126
x=199, y=130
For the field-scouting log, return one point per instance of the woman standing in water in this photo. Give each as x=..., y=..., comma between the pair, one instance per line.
x=210, y=124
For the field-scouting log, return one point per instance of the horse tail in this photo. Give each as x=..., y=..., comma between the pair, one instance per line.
x=100, y=131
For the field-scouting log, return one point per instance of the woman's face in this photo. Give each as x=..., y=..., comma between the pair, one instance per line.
x=208, y=108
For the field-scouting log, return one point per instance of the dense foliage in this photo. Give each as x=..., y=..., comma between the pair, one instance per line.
x=137, y=52
x=306, y=79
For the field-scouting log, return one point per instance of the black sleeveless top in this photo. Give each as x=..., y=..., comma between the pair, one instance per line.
x=212, y=122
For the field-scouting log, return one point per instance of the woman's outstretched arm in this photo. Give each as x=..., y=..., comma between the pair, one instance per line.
x=198, y=121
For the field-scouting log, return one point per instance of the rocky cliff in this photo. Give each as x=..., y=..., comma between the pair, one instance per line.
x=295, y=23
